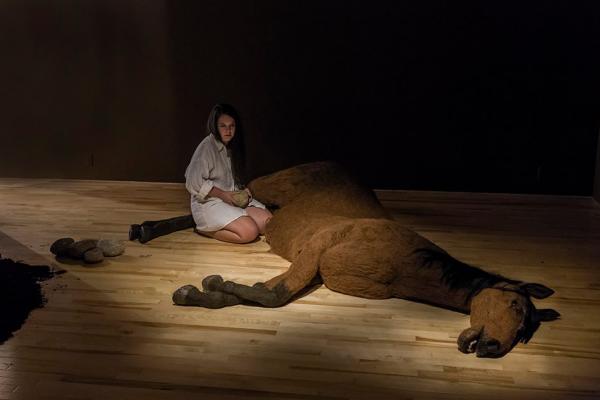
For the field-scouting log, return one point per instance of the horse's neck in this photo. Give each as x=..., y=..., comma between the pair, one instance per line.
x=429, y=285
x=431, y=291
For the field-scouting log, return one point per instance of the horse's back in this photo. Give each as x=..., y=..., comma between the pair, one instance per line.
x=318, y=202
x=284, y=187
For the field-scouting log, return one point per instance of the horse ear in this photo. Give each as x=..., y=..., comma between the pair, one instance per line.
x=537, y=290
x=546, y=314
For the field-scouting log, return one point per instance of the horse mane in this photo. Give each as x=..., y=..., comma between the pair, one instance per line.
x=459, y=275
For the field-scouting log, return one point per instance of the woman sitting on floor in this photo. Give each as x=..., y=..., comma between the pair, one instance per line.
x=221, y=206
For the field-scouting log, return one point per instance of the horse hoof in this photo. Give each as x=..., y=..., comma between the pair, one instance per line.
x=212, y=283
x=186, y=295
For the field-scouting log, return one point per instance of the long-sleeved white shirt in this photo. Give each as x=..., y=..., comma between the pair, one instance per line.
x=210, y=166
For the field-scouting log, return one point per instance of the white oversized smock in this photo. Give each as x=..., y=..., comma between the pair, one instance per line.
x=211, y=166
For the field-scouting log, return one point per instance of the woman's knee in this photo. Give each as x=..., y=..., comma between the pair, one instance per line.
x=260, y=217
x=245, y=228
x=248, y=235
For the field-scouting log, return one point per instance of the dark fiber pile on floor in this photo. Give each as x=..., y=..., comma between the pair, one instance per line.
x=20, y=292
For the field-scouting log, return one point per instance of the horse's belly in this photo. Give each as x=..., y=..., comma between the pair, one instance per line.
x=373, y=261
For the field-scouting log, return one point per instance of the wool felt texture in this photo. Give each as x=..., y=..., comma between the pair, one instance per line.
x=335, y=231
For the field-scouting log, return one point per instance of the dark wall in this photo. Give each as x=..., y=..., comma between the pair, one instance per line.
x=87, y=90
x=414, y=95
x=597, y=175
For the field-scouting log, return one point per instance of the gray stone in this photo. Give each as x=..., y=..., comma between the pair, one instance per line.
x=60, y=248
x=78, y=248
x=93, y=256
x=111, y=248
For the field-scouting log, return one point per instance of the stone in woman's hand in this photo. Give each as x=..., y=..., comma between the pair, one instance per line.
x=240, y=198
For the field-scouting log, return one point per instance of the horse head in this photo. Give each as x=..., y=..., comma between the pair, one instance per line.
x=502, y=316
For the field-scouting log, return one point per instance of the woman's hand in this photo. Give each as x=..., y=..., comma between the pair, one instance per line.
x=232, y=198
x=226, y=196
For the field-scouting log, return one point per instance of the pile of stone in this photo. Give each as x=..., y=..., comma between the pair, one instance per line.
x=91, y=251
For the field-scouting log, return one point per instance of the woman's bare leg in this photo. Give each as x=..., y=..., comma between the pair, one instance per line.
x=260, y=217
x=241, y=230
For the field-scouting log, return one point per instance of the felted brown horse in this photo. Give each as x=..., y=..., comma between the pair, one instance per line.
x=336, y=232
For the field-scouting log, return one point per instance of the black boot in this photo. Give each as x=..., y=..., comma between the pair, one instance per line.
x=145, y=234
x=164, y=227
x=134, y=232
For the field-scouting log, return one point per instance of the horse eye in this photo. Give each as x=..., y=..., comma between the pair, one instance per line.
x=515, y=305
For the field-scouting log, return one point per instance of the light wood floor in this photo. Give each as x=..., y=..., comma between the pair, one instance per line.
x=111, y=331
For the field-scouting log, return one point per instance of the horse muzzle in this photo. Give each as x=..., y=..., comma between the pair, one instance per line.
x=473, y=340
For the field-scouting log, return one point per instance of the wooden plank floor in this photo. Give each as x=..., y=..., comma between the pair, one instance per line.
x=111, y=332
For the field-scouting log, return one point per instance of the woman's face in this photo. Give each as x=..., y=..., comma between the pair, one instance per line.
x=226, y=126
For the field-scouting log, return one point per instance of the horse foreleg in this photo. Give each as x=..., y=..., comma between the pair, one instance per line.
x=276, y=291
x=272, y=293
x=280, y=289
x=190, y=295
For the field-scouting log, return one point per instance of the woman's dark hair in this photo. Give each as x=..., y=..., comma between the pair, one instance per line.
x=235, y=146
